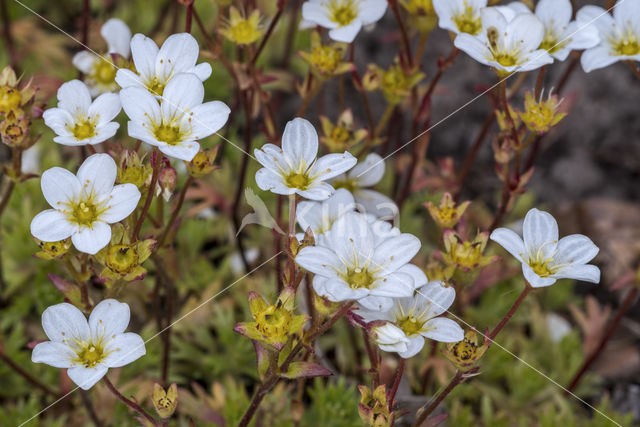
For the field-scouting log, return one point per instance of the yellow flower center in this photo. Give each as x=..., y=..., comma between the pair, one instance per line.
x=103, y=72
x=89, y=354
x=550, y=42
x=156, y=87
x=55, y=249
x=341, y=134
x=468, y=21
x=10, y=99
x=121, y=258
x=343, y=12
x=84, y=212
x=326, y=58
x=273, y=321
x=410, y=325
x=347, y=184
x=84, y=129
x=244, y=32
x=169, y=134
x=541, y=267
x=359, y=278
x=298, y=180
x=627, y=45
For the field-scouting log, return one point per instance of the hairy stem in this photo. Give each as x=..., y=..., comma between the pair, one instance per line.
x=130, y=403
x=396, y=383
x=457, y=379
x=512, y=310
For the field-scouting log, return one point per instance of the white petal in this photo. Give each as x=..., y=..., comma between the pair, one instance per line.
x=352, y=241
x=53, y=354
x=105, y=107
x=535, y=280
x=598, y=17
x=443, y=330
x=177, y=54
x=59, y=186
x=347, y=33
x=271, y=157
x=554, y=12
x=318, y=191
x=109, y=317
x=143, y=52
x=124, y=349
x=394, y=285
x=473, y=47
x=182, y=93
x=269, y=181
x=70, y=141
x=59, y=120
x=533, y=61
x=97, y=174
x=575, y=249
x=418, y=276
x=436, y=296
x=375, y=203
x=140, y=105
x=186, y=151
x=317, y=13
x=117, y=35
x=586, y=273
x=526, y=31
x=51, y=226
x=300, y=142
x=370, y=11
x=321, y=261
x=376, y=304
x=627, y=13
x=65, y=322
x=510, y=241
x=104, y=132
x=338, y=290
x=85, y=378
x=395, y=252
x=138, y=131
x=539, y=231
x=331, y=165
x=123, y=200
x=597, y=57
x=369, y=172
x=127, y=78
x=581, y=37
x=414, y=346
x=444, y=10
x=203, y=71
x=74, y=97
x=208, y=118
x=91, y=240
x=310, y=215
x=84, y=61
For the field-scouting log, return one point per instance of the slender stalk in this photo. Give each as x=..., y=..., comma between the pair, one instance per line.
x=86, y=15
x=471, y=156
x=613, y=325
x=152, y=188
x=396, y=383
x=292, y=232
x=262, y=391
x=188, y=17
x=16, y=161
x=88, y=406
x=311, y=92
x=457, y=379
x=130, y=403
x=512, y=310
x=575, y=60
x=281, y=5
x=374, y=360
x=633, y=68
x=175, y=211
x=393, y=4
x=166, y=336
x=27, y=376
x=357, y=82
x=539, y=82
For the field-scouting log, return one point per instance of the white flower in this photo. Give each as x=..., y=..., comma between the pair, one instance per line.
x=507, y=46
x=561, y=35
x=101, y=73
x=545, y=259
x=77, y=120
x=177, y=123
x=416, y=318
x=343, y=18
x=294, y=168
x=156, y=67
x=619, y=34
x=320, y=216
x=84, y=204
x=352, y=265
x=88, y=349
x=390, y=338
x=460, y=16
x=367, y=174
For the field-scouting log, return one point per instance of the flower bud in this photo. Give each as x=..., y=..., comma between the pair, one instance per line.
x=541, y=116
x=396, y=83
x=165, y=402
x=14, y=129
x=241, y=30
x=373, y=407
x=203, y=163
x=132, y=170
x=326, y=60
x=167, y=182
x=341, y=136
x=466, y=353
x=446, y=215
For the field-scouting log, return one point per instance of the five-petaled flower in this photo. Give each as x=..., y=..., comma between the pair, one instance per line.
x=619, y=34
x=155, y=68
x=177, y=123
x=295, y=168
x=84, y=204
x=544, y=258
x=352, y=264
x=506, y=45
x=416, y=318
x=88, y=349
x=460, y=16
x=100, y=72
x=343, y=18
x=77, y=120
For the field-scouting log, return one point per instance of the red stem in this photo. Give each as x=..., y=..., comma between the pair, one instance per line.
x=512, y=310
x=189, y=16
x=130, y=403
x=396, y=383
x=152, y=189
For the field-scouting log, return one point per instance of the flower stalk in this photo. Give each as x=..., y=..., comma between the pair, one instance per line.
x=130, y=403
